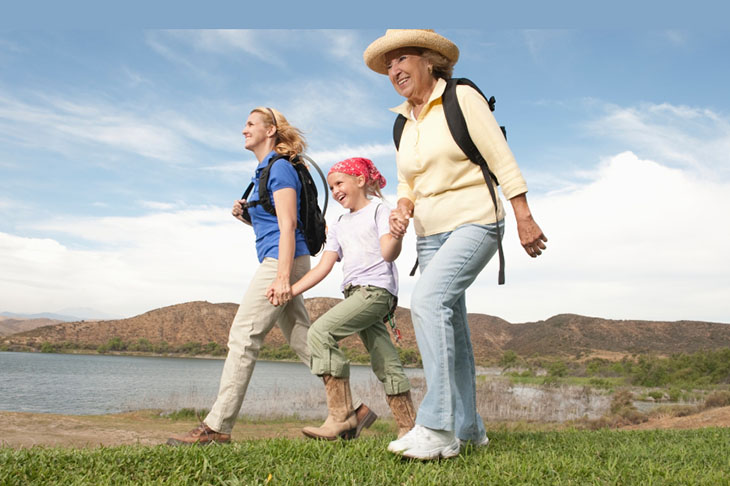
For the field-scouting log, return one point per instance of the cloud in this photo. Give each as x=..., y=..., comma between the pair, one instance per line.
x=97, y=128
x=269, y=46
x=538, y=41
x=678, y=38
x=127, y=266
x=682, y=136
x=639, y=241
x=370, y=151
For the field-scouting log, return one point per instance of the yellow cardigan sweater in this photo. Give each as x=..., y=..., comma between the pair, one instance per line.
x=446, y=188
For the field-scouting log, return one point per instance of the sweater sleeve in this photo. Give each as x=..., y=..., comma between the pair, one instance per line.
x=489, y=139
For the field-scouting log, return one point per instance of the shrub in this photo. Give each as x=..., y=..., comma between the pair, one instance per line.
x=622, y=407
x=718, y=399
x=599, y=383
x=142, y=345
x=557, y=369
x=47, y=347
x=409, y=356
x=191, y=348
x=161, y=347
x=283, y=352
x=509, y=359
x=187, y=414
x=621, y=399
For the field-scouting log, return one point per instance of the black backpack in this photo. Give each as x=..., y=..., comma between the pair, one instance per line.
x=311, y=220
x=457, y=126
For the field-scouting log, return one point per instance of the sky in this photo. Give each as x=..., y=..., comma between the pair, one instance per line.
x=121, y=155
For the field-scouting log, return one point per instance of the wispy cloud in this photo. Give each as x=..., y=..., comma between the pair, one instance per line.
x=176, y=45
x=539, y=41
x=677, y=38
x=370, y=151
x=680, y=135
x=70, y=125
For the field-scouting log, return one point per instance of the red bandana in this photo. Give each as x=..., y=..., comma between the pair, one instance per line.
x=358, y=166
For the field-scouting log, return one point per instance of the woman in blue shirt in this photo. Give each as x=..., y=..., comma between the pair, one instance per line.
x=284, y=257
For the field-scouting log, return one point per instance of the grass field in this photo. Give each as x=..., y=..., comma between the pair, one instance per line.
x=569, y=457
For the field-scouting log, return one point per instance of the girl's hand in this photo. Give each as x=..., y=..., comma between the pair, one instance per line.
x=398, y=224
x=399, y=220
x=270, y=295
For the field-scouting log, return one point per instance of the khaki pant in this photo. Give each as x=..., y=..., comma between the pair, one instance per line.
x=361, y=312
x=254, y=319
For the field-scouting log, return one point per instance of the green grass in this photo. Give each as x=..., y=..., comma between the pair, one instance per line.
x=604, y=457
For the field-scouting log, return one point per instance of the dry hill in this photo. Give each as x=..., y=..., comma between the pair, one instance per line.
x=12, y=325
x=563, y=335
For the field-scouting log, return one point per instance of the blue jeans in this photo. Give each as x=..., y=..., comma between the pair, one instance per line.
x=450, y=262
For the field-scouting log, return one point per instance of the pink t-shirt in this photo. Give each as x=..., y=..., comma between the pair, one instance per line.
x=355, y=237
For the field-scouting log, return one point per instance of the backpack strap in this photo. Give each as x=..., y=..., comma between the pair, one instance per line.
x=400, y=122
x=245, y=214
x=264, y=199
x=457, y=126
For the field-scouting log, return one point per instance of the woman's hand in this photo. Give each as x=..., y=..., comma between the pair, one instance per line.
x=399, y=218
x=531, y=236
x=237, y=211
x=279, y=292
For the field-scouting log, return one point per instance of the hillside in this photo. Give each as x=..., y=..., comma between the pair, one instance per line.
x=11, y=325
x=565, y=335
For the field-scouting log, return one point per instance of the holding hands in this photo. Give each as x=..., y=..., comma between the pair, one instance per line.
x=279, y=292
x=399, y=218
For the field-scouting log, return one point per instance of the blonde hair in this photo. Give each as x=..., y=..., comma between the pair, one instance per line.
x=289, y=139
x=372, y=188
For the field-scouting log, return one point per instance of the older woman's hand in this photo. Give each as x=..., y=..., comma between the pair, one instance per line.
x=531, y=236
x=399, y=218
x=398, y=223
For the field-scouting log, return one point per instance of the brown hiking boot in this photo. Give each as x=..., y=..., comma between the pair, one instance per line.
x=365, y=418
x=201, y=435
x=403, y=412
x=341, y=418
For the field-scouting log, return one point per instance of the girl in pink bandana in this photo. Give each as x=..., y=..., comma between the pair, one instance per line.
x=361, y=239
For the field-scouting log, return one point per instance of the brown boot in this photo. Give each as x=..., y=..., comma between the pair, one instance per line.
x=403, y=412
x=365, y=418
x=201, y=435
x=341, y=418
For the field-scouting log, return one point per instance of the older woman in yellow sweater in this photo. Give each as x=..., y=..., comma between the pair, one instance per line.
x=457, y=226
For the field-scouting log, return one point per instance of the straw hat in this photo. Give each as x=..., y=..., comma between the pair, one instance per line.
x=397, y=38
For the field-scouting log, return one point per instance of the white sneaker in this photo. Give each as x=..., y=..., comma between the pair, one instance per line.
x=405, y=442
x=430, y=444
x=483, y=442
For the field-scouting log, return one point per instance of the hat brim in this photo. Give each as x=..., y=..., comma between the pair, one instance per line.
x=374, y=55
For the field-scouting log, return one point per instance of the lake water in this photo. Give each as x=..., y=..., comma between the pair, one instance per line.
x=98, y=384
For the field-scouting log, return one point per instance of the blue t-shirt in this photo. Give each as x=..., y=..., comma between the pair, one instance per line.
x=266, y=226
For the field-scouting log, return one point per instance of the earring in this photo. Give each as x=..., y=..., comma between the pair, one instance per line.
x=430, y=69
